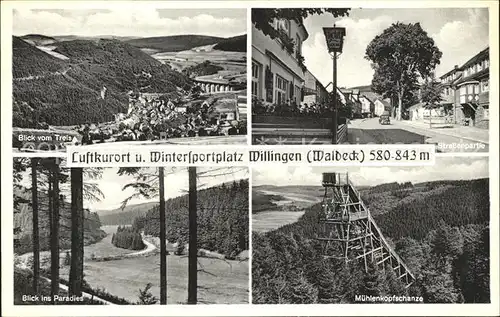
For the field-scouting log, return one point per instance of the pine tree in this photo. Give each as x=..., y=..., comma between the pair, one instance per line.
x=372, y=283
x=146, y=297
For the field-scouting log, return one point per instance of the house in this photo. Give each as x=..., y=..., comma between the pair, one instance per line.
x=367, y=106
x=381, y=105
x=472, y=91
x=352, y=99
x=314, y=91
x=419, y=112
x=466, y=91
x=278, y=72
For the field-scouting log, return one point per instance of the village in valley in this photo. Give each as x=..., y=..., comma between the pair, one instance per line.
x=444, y=101
x=130, y=88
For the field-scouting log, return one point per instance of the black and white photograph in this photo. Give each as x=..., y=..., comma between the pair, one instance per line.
x=325, y=235
x=131, y=74
x=400, y=76
x=123, y=236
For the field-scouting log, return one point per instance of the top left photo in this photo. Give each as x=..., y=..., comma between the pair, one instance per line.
x=130, y=75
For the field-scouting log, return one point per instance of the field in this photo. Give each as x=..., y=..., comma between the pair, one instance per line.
x=235, y=61
x=223, y=283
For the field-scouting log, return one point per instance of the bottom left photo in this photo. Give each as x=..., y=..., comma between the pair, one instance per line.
x=123, y=236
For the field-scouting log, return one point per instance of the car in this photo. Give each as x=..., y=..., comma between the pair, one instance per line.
x=385, y=118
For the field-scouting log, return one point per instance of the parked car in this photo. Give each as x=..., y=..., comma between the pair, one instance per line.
x=385, y=118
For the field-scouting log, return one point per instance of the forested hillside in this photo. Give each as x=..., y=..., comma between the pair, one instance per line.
x=23, y=223
x=205, y=68
x=175, y=43
x=126, y=216
x=448, y=255
x=233, y=44
x=222, y=219
x=58, y=92
x=27, y=60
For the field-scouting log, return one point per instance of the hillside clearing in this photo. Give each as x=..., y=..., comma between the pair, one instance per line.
x=222, y=283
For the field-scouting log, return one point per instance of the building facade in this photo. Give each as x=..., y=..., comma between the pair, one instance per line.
x=466, y=88
x=367, y=106
x=278, y=75
x=381, y=105
x=314, y=91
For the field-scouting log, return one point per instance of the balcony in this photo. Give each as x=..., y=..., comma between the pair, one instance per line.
x=469, y=98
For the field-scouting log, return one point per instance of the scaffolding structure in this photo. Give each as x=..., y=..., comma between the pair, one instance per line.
x=348, y=231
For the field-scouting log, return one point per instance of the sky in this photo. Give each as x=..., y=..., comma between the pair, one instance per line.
x=140, y=22
x=176, y=184
x=459, y=33
x=446, y=168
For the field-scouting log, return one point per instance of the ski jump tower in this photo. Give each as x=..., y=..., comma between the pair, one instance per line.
x=346, y=227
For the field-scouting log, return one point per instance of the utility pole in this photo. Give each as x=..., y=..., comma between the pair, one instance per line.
x=163, y=237
x=193, y=243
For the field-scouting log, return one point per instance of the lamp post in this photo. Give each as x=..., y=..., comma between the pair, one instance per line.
x=334, y=40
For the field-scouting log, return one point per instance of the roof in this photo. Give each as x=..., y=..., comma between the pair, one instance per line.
x=365, y=88
x=479, y=56
x=372, y=96
x=474, y=77
x=457, y=69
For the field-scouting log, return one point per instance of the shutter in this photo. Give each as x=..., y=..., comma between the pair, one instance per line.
x=291, y=90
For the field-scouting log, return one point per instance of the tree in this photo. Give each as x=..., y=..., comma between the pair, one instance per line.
x=163, y=245
x=431, y=95
x=372, y=281
x=193, y=239
x=401, y=55
x=146, y=297
x=150, y=184
x=263, y=19
x=35, y=236
x=77, y=233
x=54, y=232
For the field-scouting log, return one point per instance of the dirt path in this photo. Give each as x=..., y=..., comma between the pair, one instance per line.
x=62, y=73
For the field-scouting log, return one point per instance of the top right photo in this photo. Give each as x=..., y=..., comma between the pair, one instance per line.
x=371, y=76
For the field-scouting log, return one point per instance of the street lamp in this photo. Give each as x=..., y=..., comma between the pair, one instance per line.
x=334, y=41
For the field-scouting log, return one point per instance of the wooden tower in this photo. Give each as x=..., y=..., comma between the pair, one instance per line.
x=348, y=231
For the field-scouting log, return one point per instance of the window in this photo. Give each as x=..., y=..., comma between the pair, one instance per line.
x=463, y=90
x=281, y=90
x=486, y=63
x=298, y=49
x=297, y=94
x=485, y=85
x=284, y=25
x=480, y=66
x=255, y=79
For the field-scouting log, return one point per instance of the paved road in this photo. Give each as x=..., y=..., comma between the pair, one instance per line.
x=369, y=131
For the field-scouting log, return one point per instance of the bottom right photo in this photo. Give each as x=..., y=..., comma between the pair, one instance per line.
x=372, y=234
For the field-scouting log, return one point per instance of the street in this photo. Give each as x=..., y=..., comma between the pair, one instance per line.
x=370, y=131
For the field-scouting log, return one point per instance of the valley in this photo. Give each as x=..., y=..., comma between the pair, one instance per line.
x=85, y=85
x=276, y=206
